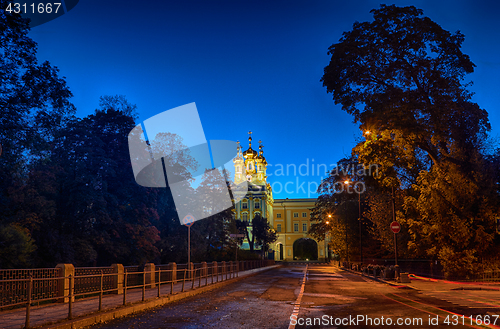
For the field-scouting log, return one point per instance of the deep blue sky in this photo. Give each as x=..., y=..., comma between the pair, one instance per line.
x=248, y=65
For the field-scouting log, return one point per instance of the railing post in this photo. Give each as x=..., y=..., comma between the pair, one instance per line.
x=28, y=304
x=230, y=269
x=125, y=288
x=205, y=271
x=159, y=281
x=70, y=307
x=223, y=268
x=65, y=271
x=149, y=268
x=173, y=276
x=100, y=291
x=190, y=270
x=118, y=278
x=193, y=278
x=184, y=280
x=214, y=270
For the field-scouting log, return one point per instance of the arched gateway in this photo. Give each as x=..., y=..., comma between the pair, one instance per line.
x=305, y=249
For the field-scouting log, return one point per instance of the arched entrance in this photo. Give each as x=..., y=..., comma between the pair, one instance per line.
x=305, y=249
x=279, y=253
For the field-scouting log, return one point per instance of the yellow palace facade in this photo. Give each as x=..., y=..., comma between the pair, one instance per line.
x=290, y=218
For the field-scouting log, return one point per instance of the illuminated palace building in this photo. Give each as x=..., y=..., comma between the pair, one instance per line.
x=289, y=217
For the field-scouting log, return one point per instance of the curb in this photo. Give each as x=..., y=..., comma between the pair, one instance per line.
x=104, y=316
x=390, y=283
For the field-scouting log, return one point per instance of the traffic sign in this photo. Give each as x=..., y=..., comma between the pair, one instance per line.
x=395, y=227
x=237, y=235
x=188, y=220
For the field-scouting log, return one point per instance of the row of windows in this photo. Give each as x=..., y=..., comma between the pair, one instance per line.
x=249, y=167
x=244, y=216
x=256, y=205
x=295, y=215
x=295, y=227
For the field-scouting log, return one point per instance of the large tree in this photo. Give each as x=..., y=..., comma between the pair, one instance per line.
x=34, y=105
x=402, y=77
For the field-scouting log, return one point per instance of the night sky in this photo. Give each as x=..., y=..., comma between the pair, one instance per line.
x=248, y=65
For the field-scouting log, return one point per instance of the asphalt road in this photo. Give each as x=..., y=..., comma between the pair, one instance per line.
x=325, y=297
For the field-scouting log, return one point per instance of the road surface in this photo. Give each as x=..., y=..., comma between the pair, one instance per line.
x=319, y=296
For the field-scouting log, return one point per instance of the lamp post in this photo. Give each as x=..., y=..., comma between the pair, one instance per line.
x=327, y=249
x=347, y=182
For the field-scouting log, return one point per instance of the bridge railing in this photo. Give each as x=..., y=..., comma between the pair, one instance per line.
x=65, y=283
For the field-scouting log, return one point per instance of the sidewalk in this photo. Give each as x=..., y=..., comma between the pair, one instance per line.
x=86, y=311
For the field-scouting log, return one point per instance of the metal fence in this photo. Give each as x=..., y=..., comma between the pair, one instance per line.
x=424, y=268
x=88, y=279
x=13, y=285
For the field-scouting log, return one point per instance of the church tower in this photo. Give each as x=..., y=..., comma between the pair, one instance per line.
x=239, y=166
x=251, y=166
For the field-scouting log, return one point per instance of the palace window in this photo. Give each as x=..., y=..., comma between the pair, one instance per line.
x=244, y=217
x=278, y=215
x=296, y=227
x=304, y=227
x=304, y=214
x=296, y=214
x=278, y=228
x=244, y=205
x=257, y=204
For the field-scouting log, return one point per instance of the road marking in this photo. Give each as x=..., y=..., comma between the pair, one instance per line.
x=338, y=297
x=463, y=300
x=427, y=307
x=296, y=307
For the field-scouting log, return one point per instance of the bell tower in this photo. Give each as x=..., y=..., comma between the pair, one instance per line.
x=251, y=165
x=239, y=166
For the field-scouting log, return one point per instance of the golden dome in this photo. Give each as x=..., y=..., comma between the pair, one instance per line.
x=250, y=151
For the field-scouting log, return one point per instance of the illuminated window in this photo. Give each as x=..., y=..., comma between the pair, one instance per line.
x=257, y=204
x=296, y=227
x=304, y=227
x=244, y=205
x=244, y=216
x=304, y=214
x=278, y=215
x=278, y=228
x=296, y=214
